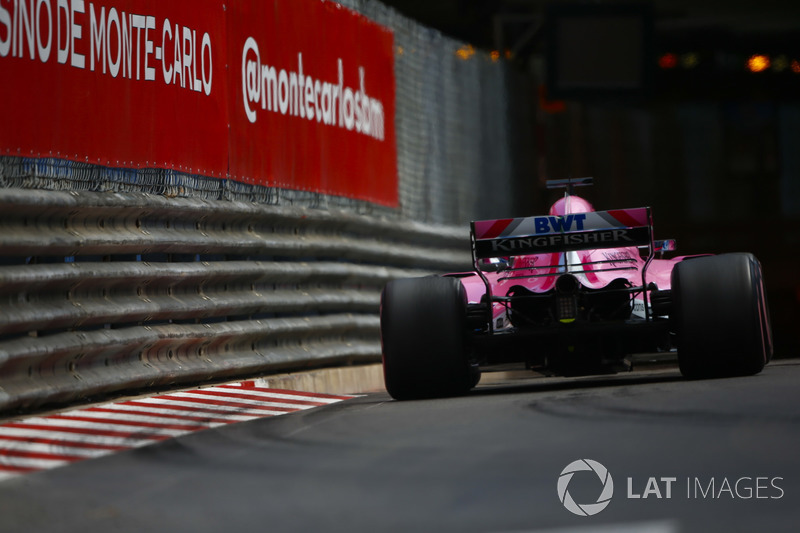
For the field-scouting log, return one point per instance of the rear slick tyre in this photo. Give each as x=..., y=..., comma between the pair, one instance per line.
x=423, y=336
x=720, y=316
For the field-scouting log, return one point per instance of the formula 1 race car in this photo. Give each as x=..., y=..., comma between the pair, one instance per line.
x=572, y=293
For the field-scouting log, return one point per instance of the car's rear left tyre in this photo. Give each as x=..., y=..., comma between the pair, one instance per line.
x=423, y=336
x=720, y=316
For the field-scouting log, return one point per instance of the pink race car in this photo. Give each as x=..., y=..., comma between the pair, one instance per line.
x=573, y=293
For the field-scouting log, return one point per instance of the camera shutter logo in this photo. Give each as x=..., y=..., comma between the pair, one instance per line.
x=585, y=509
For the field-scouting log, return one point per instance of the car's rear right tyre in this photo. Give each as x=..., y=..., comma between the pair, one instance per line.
x=423, y=336
x=720, y=316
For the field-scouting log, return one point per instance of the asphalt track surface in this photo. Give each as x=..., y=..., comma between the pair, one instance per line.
x=489, y=461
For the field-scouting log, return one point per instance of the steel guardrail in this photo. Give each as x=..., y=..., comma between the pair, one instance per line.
x=108, y=293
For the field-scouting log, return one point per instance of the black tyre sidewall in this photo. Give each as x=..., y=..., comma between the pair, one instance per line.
x=720, y=316
x=423, y=334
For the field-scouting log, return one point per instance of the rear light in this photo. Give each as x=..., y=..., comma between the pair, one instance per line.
x=566, y=308
x=567, y=298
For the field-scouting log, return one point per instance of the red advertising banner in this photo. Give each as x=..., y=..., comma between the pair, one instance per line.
x=283, y=93
x=126, y=83
x=312, y=101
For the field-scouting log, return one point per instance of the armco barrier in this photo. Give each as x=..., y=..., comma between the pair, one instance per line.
x=102, y=293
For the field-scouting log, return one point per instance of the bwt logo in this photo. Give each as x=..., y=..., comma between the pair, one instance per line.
x=585, y=509
x=559, y=224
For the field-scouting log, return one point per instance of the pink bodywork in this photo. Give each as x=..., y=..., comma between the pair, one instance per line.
x=594, y=269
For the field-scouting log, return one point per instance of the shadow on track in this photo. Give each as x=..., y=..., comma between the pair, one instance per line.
x=557, y=384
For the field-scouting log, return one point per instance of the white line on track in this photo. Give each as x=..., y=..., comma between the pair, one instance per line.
x=236, y=409
x=119, y=417
x=55, y=449
x=55, y=434
x=29, y=462
x=102, y=427
x=284, y=395
x=265, y=402
x=179, y=414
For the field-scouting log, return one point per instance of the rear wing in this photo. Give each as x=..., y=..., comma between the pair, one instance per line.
x=546, y=234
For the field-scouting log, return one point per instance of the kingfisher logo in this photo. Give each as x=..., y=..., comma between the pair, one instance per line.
x=585, y=465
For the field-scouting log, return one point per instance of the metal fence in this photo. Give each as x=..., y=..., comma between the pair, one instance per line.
x=108, y=292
